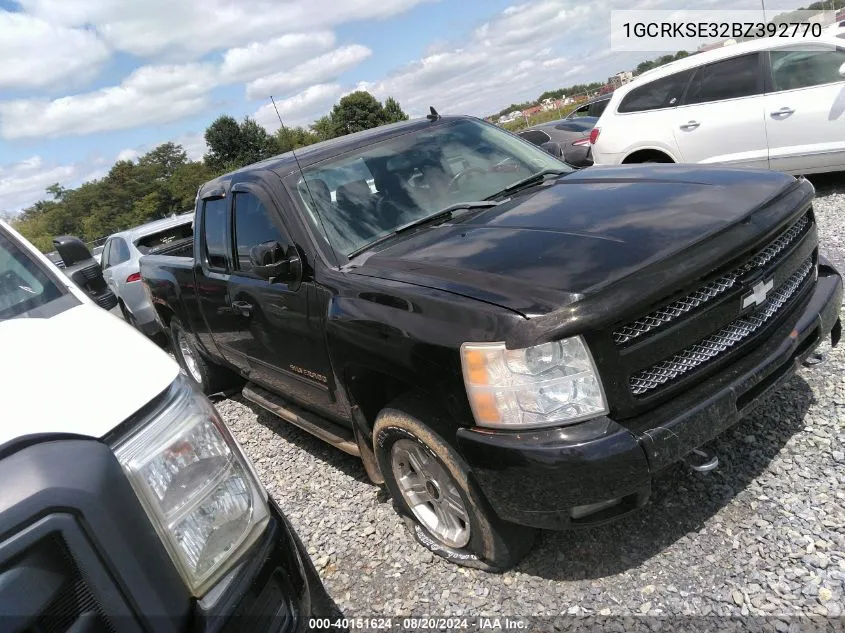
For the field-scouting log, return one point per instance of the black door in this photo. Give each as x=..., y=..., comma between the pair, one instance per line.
x=283, y=339
x=213, y=267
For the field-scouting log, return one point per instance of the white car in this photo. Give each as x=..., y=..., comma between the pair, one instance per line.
x=767, y=103
x=125, y=504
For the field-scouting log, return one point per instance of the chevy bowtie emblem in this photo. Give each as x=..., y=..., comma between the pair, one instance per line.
x=758, y=293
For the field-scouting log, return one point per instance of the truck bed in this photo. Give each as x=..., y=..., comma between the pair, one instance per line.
x=165, y=275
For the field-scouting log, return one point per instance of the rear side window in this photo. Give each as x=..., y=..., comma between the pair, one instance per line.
x=253, y=226
x=728, y=79
x=584, y=110
x=104, y=259
x=792, y=69
x=149, y=243
x=582, y=125
x=535, y=136
x=660, y=93
x=598, y=107
x=215, y=214
x=118, y=252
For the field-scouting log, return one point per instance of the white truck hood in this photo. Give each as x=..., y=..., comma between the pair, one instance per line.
x=83, y=371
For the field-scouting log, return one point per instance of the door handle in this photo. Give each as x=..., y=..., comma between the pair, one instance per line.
x=783, y=112
x=242, y=307
x=690, y=125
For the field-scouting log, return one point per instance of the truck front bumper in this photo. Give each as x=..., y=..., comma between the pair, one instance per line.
x=599, y=470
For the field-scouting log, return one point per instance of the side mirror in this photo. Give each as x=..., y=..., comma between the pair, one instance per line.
x=270, y=261
x=71, y=249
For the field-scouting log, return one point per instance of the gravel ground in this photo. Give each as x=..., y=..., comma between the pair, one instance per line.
x=762, y=535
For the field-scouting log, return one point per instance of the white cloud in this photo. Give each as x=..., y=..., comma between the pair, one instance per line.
x=301, y=109
x=150, y=95
x=37, y=54
x=187, y=29
x=321, y=69
x=128, y=154
x=25, y=181
x=260, y=58
x=521, y=52
x=194, y=144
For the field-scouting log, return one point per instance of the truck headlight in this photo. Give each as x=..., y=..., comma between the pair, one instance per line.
x=545, y=385
x=198, y=489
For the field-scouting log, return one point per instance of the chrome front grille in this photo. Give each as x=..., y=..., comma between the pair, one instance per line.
x=712, y=346
x=711, y=289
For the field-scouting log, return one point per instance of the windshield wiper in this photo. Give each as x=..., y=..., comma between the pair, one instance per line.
x=445, y=212
x=531, y=180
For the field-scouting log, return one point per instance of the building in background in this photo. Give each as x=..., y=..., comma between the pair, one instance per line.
x=620, y=79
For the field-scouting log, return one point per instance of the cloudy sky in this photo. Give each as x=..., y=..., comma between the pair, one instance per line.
x=86, y=82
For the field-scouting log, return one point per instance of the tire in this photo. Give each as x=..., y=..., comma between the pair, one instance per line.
x=491, y=544
x=127, y=315
x=208, y=376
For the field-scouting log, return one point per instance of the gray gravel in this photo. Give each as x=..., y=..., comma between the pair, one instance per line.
x=763, y=535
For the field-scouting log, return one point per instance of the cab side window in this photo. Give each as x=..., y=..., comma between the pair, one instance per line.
x=253, y=225
x=214, y=221
x=792, y=69
x=729, y=79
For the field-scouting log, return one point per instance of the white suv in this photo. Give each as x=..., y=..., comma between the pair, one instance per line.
x=767, y=103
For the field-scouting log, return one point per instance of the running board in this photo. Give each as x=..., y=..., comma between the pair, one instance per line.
x=327, y=431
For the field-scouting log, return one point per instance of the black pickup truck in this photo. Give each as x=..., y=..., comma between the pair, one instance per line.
x=507, y=343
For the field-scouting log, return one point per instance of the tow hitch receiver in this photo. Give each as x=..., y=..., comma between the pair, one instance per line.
x=702, y=461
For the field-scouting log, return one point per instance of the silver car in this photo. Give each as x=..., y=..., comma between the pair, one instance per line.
x=121, y=271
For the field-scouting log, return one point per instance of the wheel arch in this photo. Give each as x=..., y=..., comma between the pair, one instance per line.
x=649, y=154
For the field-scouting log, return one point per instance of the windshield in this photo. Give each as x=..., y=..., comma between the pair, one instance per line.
x=370, y=192
x=24, y=285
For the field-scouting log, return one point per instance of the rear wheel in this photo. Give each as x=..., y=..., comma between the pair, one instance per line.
x=127, y=315
x=436, y=495
x=647, y=156
x=207, y=375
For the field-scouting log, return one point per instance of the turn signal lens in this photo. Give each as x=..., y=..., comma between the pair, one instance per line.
x=544, y=385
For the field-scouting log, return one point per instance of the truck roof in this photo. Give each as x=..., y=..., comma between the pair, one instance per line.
x=284, y=164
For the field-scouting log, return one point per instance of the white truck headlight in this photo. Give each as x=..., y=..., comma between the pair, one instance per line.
x=545, y=385
x=197, y=487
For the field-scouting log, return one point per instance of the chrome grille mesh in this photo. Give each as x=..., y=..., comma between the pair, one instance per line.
x=713, y=345
x=711, y=289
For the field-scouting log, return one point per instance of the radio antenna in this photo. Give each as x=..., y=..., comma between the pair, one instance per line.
x=302, y=173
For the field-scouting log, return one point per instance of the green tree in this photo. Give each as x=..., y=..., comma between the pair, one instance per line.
x=232, y=145
x=324, y=127
x=288, y=138
x=223, y=138
x=393, y=111
x=186, y=181
x=164, y=160
x=57, y=191
x=255, y=143
x=356, y=112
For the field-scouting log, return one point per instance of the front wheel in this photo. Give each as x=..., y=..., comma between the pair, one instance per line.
x=435, y=494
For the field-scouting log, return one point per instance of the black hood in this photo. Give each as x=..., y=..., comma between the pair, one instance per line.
x=577, y=235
